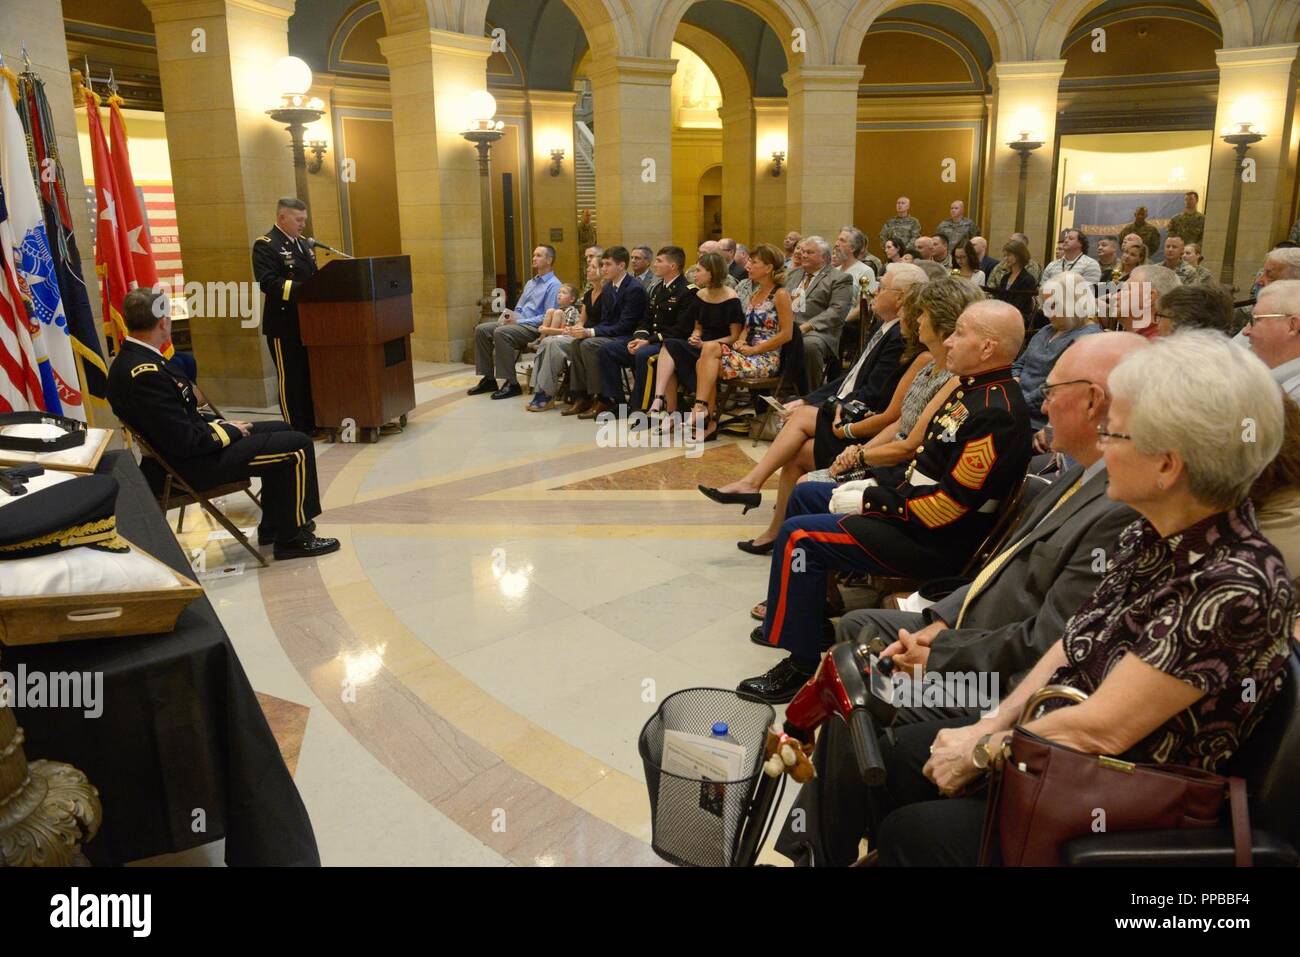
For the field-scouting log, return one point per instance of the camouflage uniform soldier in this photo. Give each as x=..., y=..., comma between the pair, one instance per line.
x=1150, y=235
x=903, y=228
x=1174, y=260
x=1189, y=225
x=958, y=228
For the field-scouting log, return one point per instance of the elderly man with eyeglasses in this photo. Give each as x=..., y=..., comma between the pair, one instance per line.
x=1274, y=332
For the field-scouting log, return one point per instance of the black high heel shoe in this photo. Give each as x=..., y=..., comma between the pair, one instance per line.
x=750, y=548
x=747, y=499
x=656, y=413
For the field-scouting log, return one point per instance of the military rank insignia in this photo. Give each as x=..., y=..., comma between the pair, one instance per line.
x=975, y=463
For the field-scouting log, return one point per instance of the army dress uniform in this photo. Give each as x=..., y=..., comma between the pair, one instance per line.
x=665, y=307
x=158, y=403
x=1189, y=227
x=958, y=231
x=281, y=265
x=901, y=229
x=974, y=456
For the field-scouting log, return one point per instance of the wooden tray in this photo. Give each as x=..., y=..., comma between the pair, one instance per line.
x=49, y=460
x=44, y=619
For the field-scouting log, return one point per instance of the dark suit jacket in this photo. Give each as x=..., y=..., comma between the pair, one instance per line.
x=622, y=310
x=987, y=265
x=878, y=370
x=1022, y=610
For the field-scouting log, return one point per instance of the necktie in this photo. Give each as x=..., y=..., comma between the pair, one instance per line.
x=995, y=563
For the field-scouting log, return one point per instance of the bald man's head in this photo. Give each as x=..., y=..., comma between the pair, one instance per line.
x=988, y=336
x=1094, y=357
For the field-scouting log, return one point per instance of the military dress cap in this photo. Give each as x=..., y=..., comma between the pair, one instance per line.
x=58, y=517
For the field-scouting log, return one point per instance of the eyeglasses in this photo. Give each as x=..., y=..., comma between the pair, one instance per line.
x=1268, y=315
x=1103, y=436
x=1050, y=388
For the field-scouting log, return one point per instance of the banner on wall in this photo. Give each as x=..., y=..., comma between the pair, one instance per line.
x=1104, y=213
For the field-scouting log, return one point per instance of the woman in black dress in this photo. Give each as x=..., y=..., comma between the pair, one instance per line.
x=1017, y=285
x=715, y=313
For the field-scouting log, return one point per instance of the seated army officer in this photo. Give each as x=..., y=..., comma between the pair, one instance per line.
x=157, y=402
x=975, y=453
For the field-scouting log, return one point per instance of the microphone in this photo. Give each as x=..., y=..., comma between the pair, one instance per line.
x=314, y=243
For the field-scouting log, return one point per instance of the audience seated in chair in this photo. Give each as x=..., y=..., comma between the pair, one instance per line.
x=929, y=523
x=553, y=348
x=1070, y=307
x=769, y=321
x=1004, y=621
x=1195, y=605
x=714, y=314
x=822, y=297
x=872, y=381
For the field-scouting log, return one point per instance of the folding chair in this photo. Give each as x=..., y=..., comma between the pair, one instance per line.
x=188, y=495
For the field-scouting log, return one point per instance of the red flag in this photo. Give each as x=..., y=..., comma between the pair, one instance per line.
x=109, y=248
x=130, y=216
x=20, y=384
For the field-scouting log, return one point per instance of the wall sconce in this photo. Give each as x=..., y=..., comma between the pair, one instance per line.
x=318, y=149
x=778, y=161
x=557, y=160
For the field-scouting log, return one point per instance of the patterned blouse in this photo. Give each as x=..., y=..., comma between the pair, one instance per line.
x=925, y=385
x=1212, y=606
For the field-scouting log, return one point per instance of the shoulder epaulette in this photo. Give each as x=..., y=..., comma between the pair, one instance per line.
x=144, y=367
x=263, y=239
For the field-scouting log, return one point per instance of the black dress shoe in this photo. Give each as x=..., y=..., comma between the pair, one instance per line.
x=756, y=636
x=485, y=384
x=778, y=685
x=306, y=545
x=753, y=549
x=509, y=390
x=266, y=538
x=828, y=636
x=747, y=499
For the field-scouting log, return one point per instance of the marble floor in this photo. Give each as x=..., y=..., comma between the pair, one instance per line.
x=465, y=680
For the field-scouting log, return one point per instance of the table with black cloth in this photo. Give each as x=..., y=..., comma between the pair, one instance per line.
x=181, y=730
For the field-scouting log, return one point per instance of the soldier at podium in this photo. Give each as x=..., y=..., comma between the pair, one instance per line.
x=156, y=401
x=282, y=261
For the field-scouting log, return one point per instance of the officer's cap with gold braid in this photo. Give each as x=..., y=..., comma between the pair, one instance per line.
x=63, y=516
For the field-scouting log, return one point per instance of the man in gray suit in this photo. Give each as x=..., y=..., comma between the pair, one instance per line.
x=1005, y=620
x=822, y=297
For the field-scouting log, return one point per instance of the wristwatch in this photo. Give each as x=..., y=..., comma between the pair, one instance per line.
x=979, y=755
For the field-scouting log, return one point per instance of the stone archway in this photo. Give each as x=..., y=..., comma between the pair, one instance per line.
x=997, y=19
x=783, y=16
x=1233, y=15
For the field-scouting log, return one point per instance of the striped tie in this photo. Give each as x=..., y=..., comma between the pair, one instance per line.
x=995, y=563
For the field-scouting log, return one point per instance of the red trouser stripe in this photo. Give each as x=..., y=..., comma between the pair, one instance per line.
x=834, y=538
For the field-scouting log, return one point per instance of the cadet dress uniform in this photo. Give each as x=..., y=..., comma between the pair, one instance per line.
x=974, y=456
x=281, y=265
x=665, y=307
x=158, y=403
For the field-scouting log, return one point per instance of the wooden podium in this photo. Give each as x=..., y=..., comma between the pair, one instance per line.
x=355, y=319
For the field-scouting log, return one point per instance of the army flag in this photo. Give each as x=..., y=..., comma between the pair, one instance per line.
x=43, y=155
x=34, y=267
x=112, y=255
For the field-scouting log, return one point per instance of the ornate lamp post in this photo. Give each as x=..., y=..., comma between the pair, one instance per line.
x=296, y=111
x=483, y=132
x=1241, y=138
x=1024, y=145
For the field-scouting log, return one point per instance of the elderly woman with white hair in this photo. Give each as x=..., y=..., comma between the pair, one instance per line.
x=1196, y=604
x=1070, y=306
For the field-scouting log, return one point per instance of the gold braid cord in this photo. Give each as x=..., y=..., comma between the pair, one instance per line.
x=47, y=809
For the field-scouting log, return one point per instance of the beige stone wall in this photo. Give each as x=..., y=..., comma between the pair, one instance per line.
x=555, y=203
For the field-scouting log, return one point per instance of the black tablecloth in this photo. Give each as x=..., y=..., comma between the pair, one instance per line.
x=182, y=740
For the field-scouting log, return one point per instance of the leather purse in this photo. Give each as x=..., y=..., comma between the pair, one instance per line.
x=1046, y=794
